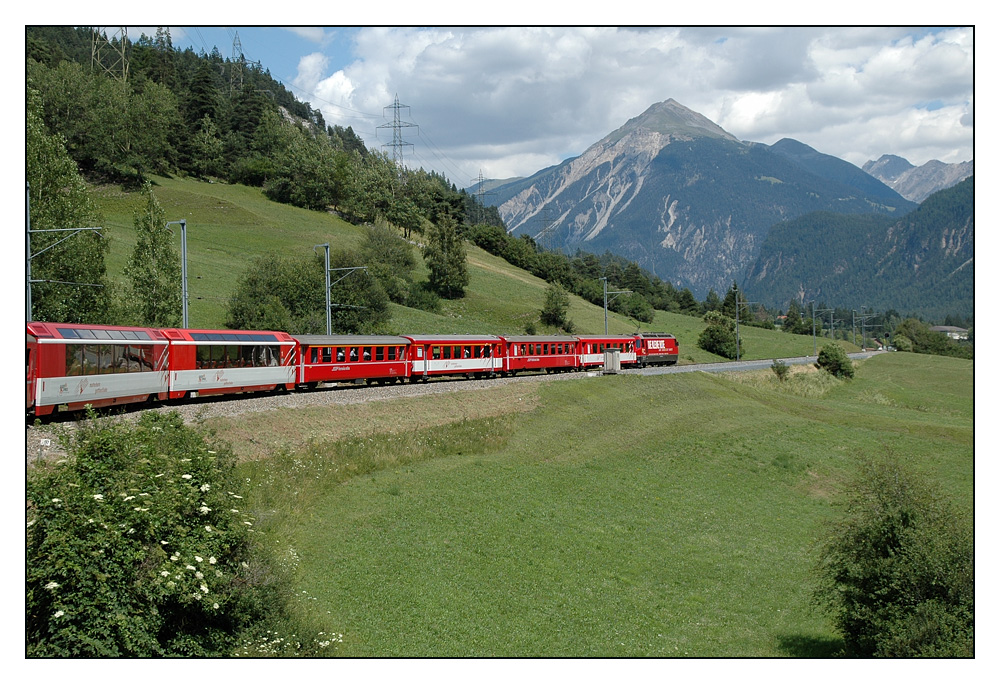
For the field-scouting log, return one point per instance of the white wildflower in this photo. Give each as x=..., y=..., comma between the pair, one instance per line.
x=191, y=567
x=52, y=585
x=208, y=528
x=204, y=588
x=205, y=487
x=198, y=558
x=198, y=575
x=98, y=497
x=164, y=573
x=58, y=613
x=211, y=560
x=186, y=476
x=204, y=510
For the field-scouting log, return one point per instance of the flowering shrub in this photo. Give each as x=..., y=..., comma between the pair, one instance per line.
x=138, y=545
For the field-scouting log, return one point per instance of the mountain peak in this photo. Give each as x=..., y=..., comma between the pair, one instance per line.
x=674, y=119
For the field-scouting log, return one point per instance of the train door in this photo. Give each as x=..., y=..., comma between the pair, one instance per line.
x=31, y=361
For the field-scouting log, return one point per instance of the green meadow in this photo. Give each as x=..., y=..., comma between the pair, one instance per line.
x=634, y=516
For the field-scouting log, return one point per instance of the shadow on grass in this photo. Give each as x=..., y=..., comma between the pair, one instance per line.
x=799, y=646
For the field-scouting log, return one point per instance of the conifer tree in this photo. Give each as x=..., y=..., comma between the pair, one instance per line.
x=154, y=270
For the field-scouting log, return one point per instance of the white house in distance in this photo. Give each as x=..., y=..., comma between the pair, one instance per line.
x=951, y=331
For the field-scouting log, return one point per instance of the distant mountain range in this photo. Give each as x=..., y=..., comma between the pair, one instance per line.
x=917, y=183
x=683, y=198
x=920, y=263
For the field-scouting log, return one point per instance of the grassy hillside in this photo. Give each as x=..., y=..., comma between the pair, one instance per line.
x=228, y=225
x=557, y=519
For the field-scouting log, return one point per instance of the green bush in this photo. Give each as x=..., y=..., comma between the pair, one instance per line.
x=719, y=337
x=780, y=369
x=834, y=360
x=897, y=572
x=139, y=545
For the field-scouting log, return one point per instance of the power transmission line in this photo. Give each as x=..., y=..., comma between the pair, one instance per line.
x=397, y=127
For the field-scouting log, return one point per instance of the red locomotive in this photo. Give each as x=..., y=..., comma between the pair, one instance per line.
x=653, y=348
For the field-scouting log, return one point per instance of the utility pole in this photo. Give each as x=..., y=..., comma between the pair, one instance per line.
x=328, y=270
x=184, y=270
x=738, y=305
x=814, y=310
x=606, y=293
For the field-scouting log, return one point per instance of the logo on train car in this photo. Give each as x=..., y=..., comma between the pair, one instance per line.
x=657, y=344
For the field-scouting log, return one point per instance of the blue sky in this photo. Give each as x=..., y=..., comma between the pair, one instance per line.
x=507, y=101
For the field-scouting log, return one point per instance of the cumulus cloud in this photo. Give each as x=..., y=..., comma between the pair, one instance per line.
x=511, y=100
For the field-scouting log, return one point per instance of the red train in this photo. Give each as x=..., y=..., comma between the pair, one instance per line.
x=71, y=366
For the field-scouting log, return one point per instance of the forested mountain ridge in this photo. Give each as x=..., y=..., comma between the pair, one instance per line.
x=923, y=262
x=682, y=197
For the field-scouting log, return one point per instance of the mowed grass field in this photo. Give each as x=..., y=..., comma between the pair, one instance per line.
x=672, y=515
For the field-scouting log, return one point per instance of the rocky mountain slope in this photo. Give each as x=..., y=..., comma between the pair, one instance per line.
x=682, y=197
x=917, y=183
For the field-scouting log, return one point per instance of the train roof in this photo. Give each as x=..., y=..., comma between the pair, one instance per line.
x=539, y=338
x=656, y=334
x=453, y=338
x=93, y=333
x=339, y=340
x=605, y=337
x=233, y=336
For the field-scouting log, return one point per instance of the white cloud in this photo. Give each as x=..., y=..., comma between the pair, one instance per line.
x=510, y=100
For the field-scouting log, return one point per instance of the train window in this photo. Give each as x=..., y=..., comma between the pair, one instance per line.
x=367, y=354
x=380, y=353
x=391, y=356
x=353, y=354
x=327, y=354
x=340, y=355
x=74, y=359
x=467, y=352
x=313, y=354
x=447, y=352
x=435, y=352
x=489, y=351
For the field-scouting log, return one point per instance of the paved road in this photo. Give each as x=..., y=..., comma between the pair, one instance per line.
x=737, y=365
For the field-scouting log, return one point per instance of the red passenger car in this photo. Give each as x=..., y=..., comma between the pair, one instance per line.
x=468, y=355
x=347, y=358
x=71, y=366
x=653, y=348
x=207, y=362
x=593, y=347
x=541, y=352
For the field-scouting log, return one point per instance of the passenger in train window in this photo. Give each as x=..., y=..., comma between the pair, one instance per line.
x=340, y=354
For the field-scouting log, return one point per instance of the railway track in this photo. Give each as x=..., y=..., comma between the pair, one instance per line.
x=41, y=441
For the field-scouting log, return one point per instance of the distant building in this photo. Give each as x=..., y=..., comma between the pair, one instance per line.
x=951, y=331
